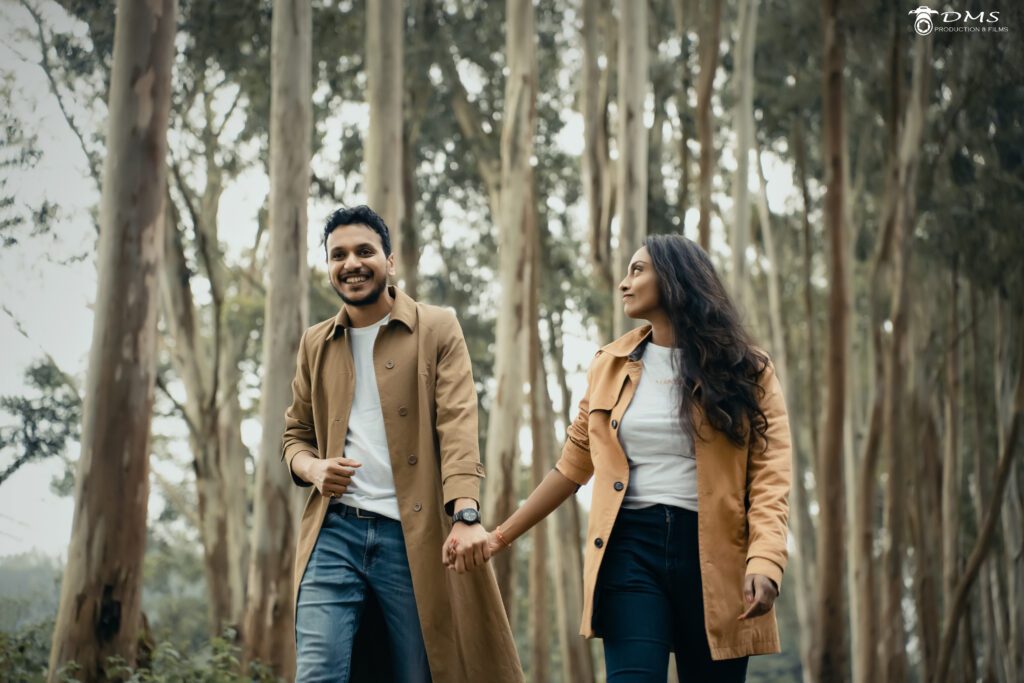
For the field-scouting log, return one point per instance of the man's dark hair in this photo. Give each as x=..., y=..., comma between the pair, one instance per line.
x=359, y=215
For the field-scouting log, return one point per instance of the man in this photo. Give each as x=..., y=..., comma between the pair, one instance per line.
x=383, y=423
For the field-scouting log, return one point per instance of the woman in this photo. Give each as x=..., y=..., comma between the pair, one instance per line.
x=683, y=427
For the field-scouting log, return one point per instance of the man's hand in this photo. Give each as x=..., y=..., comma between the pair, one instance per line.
x=759, y=592
x=466, y=548
x=330, y=476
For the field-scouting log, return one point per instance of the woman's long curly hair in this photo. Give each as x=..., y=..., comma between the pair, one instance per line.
x=718, y=366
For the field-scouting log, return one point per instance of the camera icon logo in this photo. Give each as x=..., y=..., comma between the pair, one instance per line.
x=923, y=19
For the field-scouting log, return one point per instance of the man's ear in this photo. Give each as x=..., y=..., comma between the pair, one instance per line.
x=391, y=264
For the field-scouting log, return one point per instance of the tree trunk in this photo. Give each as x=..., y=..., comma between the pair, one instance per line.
x=830, y=650
x=709, y=36
x=1008, y=327
x=632, y=144
x=802, y=567
x=596, y=183
x=99, y=614
x=213, y=415
x=564, y=534
x=924, y=526
x=986, y=617
x=957, y=603
x=743, y=120
x=540, y=630
x=951, y=459
x=808, y=290
x=511, y=334
x=680, y=15
x=269, y=621
x=384, y=90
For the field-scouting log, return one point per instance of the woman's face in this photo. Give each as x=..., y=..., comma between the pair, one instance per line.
x=640, y=287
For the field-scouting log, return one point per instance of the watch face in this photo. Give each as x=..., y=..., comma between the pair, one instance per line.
x=469, y=515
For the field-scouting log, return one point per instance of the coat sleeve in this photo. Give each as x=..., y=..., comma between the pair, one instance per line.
x=456, y=425
x=299, y=432
x=768, y=481
x=575, y=463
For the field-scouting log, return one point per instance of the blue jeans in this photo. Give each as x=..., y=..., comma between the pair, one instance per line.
x=353, y=556
x=649, y=601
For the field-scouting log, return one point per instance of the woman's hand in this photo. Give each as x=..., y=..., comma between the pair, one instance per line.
x=466, y=548
x=495, y=543
x=759, y=592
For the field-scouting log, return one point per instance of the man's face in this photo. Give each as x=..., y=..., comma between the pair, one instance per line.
x=356, y=264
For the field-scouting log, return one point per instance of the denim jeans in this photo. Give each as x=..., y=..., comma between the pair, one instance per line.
x=649, y=601
x=354, y=556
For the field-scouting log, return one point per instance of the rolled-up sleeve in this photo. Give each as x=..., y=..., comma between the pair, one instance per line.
x=299, y=431
x=456, y=425
x=575, y=463
x=768, y=481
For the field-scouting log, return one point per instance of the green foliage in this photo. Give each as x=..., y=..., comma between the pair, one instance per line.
x=24, y=657
x=43, y=423
x=19, y=151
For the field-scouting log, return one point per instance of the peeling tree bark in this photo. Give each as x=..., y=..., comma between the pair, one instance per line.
x=709, y=37
x=743, y=120
x=511, y=335
x=384, y=88
x=269, y=621
x=99, y=614
x=596, y=163
x=632, y=144
x=830, y=653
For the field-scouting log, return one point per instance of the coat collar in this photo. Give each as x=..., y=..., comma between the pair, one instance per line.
x=403, y=311
x=630, y=345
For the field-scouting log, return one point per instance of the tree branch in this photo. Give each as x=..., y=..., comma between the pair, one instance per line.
x=162, y=385
x=44, y=64
x=984, y=540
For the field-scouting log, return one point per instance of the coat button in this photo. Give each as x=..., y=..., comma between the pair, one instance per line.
x=390, y=364
x=619, y=486
x=615, y=424
x=403, y=411
x=412, y=459
x=598, y=542
x=417, y=507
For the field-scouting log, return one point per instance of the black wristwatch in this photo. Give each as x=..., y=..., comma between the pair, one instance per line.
x=466, y=516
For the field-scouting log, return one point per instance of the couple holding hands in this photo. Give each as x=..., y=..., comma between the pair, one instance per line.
x=682, y=428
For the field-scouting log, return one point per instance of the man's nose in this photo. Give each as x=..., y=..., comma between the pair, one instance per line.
x=350, y=263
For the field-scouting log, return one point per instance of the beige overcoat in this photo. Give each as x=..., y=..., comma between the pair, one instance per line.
x=741, y=497
x=429, y=406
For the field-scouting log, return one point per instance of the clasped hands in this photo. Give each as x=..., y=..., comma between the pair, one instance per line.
x=469, y=547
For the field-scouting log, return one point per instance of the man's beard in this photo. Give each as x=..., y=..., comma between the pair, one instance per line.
x=368, y=300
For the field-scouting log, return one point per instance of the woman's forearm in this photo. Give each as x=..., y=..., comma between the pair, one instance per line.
x=549, y=494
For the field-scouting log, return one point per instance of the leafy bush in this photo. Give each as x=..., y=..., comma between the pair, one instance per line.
x=24, y=657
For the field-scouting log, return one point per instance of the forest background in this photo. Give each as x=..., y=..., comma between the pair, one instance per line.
x=859, y=185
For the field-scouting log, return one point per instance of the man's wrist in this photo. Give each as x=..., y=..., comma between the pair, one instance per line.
x=302, y=464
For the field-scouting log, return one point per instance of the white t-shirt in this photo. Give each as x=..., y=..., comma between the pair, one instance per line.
x=373, y=485
x=662, y=464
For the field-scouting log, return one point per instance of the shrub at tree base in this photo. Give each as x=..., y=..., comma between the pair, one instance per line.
x=24, y=656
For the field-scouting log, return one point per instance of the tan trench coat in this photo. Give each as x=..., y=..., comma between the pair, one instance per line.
x=741, y=496
x=429, y=405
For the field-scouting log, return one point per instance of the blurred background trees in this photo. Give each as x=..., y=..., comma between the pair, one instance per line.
x=858, y=186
